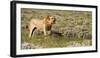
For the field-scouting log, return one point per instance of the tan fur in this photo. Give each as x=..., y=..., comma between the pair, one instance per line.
x=44, y=25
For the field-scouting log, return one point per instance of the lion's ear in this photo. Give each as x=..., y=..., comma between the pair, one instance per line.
x=48, y=18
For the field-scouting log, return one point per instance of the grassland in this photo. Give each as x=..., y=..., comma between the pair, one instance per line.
x=75, y=27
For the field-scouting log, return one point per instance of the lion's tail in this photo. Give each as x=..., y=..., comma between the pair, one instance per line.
x=27, y=27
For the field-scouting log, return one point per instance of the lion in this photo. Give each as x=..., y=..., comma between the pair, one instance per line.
x=43, y=24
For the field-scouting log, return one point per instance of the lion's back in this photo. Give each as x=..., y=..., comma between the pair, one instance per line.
x=37, y=23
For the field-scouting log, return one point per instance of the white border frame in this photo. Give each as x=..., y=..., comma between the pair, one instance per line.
x=52, y=50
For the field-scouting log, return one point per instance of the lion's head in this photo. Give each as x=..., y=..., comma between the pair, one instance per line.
x=50, y=20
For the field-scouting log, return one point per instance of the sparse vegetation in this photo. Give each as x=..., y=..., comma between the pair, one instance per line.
x=74, y=26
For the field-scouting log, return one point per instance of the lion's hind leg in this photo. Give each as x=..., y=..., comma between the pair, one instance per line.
x=31, y=31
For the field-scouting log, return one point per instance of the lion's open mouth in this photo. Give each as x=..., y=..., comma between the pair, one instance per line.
x=54, y=21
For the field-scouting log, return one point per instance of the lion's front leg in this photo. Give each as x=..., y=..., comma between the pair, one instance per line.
x=45, y=33
x=49, y=32
x=44, y=30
